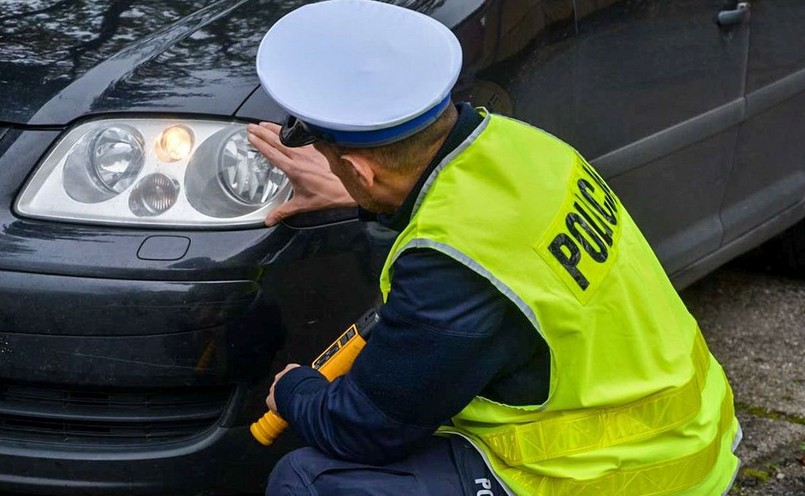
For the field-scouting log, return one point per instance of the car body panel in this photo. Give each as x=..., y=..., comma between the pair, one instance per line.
x=650, y=70
x=771, y=138
x=120, y=307
x=651, y=91
x=648, y=91
x=227, y=459
x=126, y=55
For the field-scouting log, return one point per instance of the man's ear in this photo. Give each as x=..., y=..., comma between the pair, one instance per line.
x=362, y=168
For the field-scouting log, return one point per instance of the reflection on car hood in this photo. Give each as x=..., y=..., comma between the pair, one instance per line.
x=61, y=59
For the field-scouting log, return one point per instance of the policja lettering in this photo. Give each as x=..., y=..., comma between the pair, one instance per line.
x=486, y=486
x=583, y=236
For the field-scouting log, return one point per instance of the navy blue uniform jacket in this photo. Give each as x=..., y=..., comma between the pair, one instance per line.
x=445, y=336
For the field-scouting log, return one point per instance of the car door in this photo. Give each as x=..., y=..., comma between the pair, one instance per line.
x=767, y=186
x=657, y=108
x=649, y=91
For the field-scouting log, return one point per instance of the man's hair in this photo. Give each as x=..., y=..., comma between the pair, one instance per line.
x=406, y=155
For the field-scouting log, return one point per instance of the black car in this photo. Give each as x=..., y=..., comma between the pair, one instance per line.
x=143, y=305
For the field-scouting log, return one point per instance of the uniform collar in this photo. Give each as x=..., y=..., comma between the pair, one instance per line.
x=468, y=120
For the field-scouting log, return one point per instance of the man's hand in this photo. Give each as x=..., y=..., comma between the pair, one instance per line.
x=314, y=186
x=270, y=401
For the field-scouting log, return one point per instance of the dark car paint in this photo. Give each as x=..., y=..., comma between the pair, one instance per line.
x=192, y=57
x=660, y=109
x=154, y=62
x=771, y=136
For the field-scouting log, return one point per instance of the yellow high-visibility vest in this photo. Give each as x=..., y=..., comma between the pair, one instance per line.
x=637, y=404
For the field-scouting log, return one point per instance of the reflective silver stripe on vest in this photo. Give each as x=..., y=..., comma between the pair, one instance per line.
x=449, y=158
x=735, y=442
x=478, y=269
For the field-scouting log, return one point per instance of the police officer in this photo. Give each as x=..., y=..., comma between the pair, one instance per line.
x=526, y=322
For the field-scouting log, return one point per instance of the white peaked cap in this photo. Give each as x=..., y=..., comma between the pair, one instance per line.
x=360, y=70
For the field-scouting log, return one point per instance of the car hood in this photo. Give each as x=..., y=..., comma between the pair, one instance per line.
x=64, y=59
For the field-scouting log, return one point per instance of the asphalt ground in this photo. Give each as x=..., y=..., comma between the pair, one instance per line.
x=753, y=318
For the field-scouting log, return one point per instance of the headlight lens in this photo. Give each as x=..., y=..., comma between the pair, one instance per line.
x=116, y=154
x=155, y=172
x=245, y=173
x=152, y=196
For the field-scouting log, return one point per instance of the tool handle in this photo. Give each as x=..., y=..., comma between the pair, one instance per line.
x=271, y=424
x=336, y=361
x=268, y=428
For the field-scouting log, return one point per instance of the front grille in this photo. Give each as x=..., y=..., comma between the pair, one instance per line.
x=108, y=416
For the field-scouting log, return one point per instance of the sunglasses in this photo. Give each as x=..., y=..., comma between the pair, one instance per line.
x=295, y=133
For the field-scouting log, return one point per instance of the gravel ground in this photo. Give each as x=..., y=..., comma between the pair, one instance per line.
x=754, y=321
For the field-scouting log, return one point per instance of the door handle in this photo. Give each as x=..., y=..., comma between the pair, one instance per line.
x=732, y=17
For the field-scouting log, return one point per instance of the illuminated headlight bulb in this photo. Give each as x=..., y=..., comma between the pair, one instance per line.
x=153, y=195
x=174, y=144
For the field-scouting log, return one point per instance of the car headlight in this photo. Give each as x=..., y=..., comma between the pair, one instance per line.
x=164, y=172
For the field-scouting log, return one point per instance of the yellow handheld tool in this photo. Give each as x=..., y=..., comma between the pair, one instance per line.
x=334, y=362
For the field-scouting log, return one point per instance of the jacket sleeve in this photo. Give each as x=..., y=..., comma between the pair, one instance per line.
x=437, y=345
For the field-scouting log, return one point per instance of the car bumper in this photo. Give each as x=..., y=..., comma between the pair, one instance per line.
x=131, y=387
x=223, y=458
x=77, y=330
x=148, y=386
